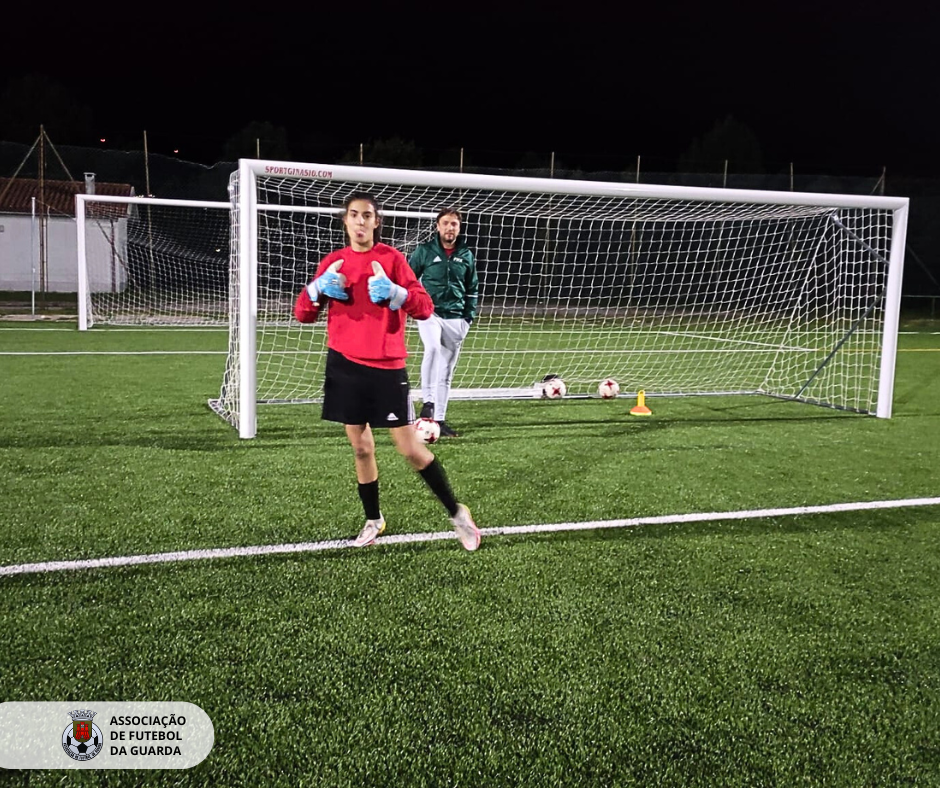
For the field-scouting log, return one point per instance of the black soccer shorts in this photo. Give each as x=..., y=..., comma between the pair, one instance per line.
x=357, y=394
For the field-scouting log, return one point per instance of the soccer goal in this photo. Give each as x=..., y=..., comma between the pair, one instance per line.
x=149, y=261
x=671, y=290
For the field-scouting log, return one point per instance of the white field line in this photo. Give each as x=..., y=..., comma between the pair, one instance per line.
x=468, y=352
x=509, y=530
x=138, y=330
x=114, y=353
x=224, y=329
x=709, y=338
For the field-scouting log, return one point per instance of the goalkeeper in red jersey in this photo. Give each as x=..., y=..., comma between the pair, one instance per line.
x=367, y=289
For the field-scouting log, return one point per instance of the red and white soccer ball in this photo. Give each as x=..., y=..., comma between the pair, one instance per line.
x=427, y=430
x=608, y=389
x=554, y=388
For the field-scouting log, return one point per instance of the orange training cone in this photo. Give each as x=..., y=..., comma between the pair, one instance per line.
x=641, y=409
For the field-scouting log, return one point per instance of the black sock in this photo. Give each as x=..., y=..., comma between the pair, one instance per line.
x=369, y=495
x=437, y=480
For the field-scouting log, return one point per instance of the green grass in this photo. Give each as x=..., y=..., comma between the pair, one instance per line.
x=776, y=651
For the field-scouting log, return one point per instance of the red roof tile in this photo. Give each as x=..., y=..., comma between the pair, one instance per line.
x=59, y=196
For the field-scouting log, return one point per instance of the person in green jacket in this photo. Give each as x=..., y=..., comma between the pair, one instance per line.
x=447, y=269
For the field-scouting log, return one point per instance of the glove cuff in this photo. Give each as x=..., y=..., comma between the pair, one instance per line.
x=397, y=298
x=313, y=292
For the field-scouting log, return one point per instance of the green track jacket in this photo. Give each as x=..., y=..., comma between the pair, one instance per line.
x=451, y=281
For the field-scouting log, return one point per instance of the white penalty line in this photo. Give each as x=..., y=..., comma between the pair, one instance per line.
x=114, y=353
x=436, y=536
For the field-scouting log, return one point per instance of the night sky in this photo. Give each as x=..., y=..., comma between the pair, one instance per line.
x=836, y=88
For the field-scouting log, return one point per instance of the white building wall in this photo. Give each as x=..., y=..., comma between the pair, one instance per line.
x=106, y=255
x=19, y=255
x=16, y=255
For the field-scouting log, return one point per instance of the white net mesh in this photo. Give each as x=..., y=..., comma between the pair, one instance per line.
x=156, y=263
x=669, y=296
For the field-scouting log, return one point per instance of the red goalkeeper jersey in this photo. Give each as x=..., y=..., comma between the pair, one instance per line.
x=367, y=333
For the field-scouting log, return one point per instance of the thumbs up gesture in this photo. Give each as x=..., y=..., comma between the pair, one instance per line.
x=381, y=288
x=330, y=283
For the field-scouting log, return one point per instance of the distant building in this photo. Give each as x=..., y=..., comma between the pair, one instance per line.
x=39, y=253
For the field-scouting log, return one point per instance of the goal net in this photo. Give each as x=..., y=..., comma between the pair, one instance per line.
x=669, y=290
x=149, y=261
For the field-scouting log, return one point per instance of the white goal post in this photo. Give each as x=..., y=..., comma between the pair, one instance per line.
x=151, y=261
x=671, y=290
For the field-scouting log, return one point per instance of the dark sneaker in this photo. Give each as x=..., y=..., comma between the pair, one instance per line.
x=427, y=411
x=446, y=431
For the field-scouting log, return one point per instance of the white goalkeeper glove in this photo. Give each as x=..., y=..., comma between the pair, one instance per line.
x=330, y=283
x=382, y=288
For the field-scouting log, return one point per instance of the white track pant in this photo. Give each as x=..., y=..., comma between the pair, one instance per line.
x=442, y=339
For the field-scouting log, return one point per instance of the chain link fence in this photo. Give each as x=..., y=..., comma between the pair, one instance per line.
x=169, y=177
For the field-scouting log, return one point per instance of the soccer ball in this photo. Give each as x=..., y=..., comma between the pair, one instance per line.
x=608, y=389
x=554, y=388
x=82, y=750
x=427, y=430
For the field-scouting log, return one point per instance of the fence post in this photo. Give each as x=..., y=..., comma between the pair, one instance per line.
x=32, y=256
x=146, y=165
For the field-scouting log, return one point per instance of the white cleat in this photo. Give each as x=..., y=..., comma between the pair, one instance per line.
x=467, y=531
x=370, y=532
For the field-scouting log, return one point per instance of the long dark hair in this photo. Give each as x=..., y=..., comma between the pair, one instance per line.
x=365, y=196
